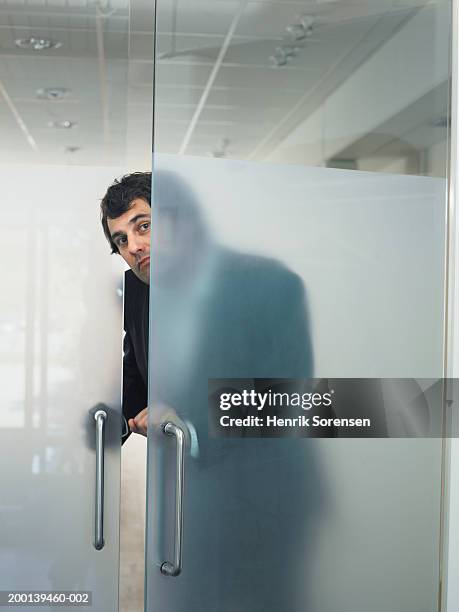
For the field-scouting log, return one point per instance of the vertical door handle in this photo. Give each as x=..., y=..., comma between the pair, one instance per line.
x=168, y=568
x=100, y=418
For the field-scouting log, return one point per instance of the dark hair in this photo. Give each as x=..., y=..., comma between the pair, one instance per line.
x=119, y=198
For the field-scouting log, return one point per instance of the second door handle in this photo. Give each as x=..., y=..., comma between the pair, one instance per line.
x=174, y=568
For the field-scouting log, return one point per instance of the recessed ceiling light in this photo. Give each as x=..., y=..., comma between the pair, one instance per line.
x=283, y=54
x=279, y=60
x=52, y=93
x=64, y=124
x=221, y=150
x=303, y=29
x=37, y=44
x=307, y=21
x=297, y=32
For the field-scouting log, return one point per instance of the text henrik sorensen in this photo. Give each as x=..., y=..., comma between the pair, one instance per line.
x=300, y=421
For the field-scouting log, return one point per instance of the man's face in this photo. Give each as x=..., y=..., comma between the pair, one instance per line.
x=131, y=234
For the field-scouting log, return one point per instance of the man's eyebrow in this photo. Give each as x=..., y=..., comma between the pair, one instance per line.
x=139, y=216
x=131, y=221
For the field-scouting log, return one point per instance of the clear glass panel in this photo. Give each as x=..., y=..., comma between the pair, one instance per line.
x=306, y=83
x=267, y=265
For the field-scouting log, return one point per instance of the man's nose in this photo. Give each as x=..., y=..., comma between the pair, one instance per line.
x=135, y=245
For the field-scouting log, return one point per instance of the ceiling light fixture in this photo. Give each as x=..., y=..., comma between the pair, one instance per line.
x=52, y=93
x=63, y=124
x=221, y=149
x=307, y=21
x=297, y=34
x=296, y=31
x=283, y=54
x=278, y=60
x=37, y=44
x=303, y=29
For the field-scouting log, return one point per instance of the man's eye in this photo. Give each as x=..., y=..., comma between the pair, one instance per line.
x=121, y=241
x=145, y=226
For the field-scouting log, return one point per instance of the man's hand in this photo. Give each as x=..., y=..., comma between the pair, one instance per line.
x=139, y=423
x=161, y=414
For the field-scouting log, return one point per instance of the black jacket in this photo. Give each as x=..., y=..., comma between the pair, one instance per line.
x=135, y=346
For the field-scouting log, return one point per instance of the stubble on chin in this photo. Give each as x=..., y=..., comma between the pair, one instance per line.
x=143, y=275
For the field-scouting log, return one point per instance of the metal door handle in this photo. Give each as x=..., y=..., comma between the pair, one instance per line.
x=100, y=417
x=168, y=568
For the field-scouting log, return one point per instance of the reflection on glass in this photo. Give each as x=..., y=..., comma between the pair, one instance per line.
x=13, y=326
x=342, y=85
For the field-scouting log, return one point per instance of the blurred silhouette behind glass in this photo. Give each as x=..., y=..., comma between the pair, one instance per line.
x=219, y=313
x=270, y=524
x=296, y=125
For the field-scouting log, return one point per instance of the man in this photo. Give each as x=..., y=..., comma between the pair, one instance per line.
x=126, y=221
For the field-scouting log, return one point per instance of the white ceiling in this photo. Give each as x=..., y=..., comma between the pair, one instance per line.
x=214, y=78
x=91, y=63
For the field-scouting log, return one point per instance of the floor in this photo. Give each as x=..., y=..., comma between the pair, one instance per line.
x=133, y=472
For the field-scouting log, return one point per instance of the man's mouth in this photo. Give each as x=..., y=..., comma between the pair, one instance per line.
x=143, y=262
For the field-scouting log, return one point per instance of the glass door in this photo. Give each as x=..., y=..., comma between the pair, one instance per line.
x=61, y=322
x=299, y=198
x=66, y=103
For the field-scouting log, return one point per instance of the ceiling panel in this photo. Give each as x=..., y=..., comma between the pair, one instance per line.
x=231, y=130
x=170, y=73
x=174, y=112
x=204, y=16
x=222, y=143
x=24, y=75
x=248, y=115
x=178, y=94
x=187, y=46
x=266, y=79
x=169, y=135
x=250, y=96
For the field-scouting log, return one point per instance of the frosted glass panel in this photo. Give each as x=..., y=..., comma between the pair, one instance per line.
x=283, y=272
x=299, y=197
x=368, y=248
x=61, y=309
